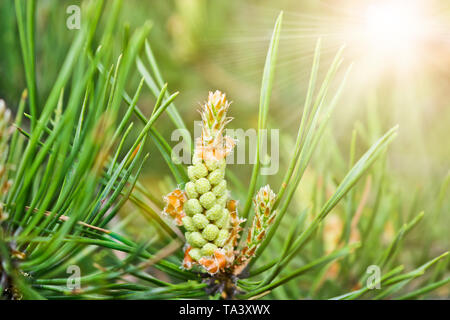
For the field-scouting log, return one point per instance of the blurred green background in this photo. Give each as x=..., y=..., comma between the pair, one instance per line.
x=399, y=77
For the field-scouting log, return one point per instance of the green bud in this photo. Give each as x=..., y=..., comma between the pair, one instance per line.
x=222, y=200
x=192, y=207
x=210, y=232
x=188, y=224
x=200, y=170
x=222, y=237
x=207, y=200
x=191, y=173
x=220, y=188
x=195, y=254
x=200, y=220
x=214, y=213
x=196, y=240
x=208, y=249
x=202, y=185
x=223, y=221
x=212, y=164
x=216, y=176
x=190, y=190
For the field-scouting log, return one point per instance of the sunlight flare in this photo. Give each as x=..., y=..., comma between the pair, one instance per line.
x=393, y=28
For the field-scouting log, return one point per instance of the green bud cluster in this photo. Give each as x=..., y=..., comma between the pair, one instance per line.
x=207, y=220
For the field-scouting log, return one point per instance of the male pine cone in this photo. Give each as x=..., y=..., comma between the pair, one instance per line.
x=204, y=208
